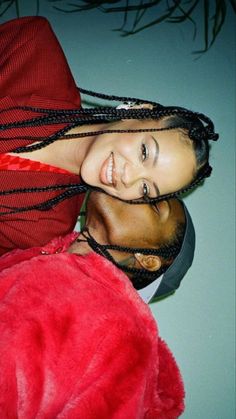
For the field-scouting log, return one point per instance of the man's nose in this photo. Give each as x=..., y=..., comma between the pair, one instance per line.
x=131, y=174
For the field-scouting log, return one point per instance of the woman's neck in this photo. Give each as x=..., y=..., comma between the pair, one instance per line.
x=65, y=153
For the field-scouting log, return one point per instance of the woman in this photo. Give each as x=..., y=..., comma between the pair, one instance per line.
x=48, y=142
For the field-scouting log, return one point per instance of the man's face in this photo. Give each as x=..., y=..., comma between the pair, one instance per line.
x=111, y=221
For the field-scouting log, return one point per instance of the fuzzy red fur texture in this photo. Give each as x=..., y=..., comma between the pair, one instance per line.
x=77, y=341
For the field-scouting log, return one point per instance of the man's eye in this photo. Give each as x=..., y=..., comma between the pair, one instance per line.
x=144, y=152
x=146, y=190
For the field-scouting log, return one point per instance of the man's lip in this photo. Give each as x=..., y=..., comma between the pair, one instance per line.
x=103, y=172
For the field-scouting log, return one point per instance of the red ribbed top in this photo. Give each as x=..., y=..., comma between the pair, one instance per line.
x=33, y=72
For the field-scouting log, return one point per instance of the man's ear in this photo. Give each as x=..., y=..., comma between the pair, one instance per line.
x=150, y=262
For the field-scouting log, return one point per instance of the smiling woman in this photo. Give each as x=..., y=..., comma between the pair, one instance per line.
x=143, y=164
x=52, y=149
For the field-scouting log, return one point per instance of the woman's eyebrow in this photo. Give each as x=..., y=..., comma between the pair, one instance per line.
x=156, y=153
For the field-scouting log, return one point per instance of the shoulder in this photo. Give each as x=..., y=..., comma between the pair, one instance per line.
x=18, y=33
x=23, y=29
x=55, y=292
x=85, y=281
x=28, y=23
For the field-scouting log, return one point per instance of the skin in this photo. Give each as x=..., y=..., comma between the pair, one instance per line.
x=116, y=222
x=145, y=163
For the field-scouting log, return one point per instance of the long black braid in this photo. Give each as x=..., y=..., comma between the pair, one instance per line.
x=199, y=127
x=139, y=277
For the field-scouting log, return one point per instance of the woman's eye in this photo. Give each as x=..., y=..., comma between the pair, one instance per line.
x=144, y=152
x=146, y=190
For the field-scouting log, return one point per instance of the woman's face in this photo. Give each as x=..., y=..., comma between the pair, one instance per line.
x=133, y=165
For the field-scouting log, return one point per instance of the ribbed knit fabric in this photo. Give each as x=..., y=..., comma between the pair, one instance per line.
x=33, y=72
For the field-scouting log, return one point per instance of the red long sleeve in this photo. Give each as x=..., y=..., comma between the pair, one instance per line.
x=33, y=72
x=32, y=63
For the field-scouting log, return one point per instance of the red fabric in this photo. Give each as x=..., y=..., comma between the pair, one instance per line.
x=33, y=72
x=77, y=341
x=9, y=162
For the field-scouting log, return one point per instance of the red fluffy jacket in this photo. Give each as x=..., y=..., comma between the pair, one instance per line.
x=33, y=72
x=77, y=341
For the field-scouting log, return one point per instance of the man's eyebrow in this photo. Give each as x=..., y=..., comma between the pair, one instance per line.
x=156, y=154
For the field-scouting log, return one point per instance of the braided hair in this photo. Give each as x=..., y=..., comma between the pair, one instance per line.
x=199, y=128
x=140, y=278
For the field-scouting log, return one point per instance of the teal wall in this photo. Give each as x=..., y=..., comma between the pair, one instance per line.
x=198, y=322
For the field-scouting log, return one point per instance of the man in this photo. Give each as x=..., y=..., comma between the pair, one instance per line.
x=76, y=339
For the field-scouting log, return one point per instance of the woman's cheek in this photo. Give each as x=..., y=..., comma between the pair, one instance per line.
x=89, y=173
x=129, y=147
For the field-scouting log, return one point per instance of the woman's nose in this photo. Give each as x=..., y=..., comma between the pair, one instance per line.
x=131, y=174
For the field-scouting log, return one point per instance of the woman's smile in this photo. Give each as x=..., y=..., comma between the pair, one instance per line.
x=107, y=176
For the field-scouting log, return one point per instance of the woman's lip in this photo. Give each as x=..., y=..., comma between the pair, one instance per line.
x=104, y=170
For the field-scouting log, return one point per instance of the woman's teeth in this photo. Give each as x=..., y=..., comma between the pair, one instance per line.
x=110, y=169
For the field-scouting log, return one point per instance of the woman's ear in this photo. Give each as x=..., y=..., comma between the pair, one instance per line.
x=133, y=105
x=149, y=262
x=142, y=106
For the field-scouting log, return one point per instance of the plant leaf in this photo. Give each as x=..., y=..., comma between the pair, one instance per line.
x=233, y=4
x=219, y=19
x=7, y=7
